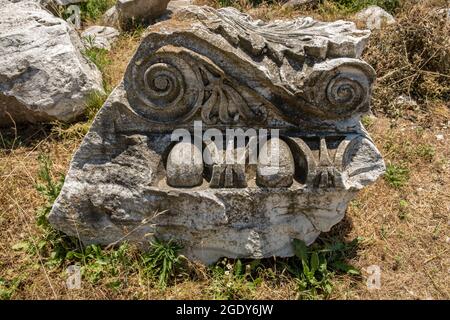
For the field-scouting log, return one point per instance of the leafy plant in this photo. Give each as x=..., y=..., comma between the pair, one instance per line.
x=94, y=103
x=53, y=244
x=225, y=3
x=7, y=288
x=162, y=260
x=232, y=281
x=47, y=187
x=313, y=275
x=397, y=176
x=367, y=121
x=93, y=9
x=97, y=263
x=98, y=56
x=403, y=209
x=314, y=267
x=426, y=152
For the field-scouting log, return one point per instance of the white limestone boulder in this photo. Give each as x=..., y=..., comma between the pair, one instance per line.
x=374, y=17
x=43, y=73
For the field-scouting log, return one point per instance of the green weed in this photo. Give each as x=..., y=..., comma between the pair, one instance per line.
x=426, y=152
x=367, y=121
x=8, y=288
x=53, y=245
x=48, y=188
x=98, y=56
x=97, y=263
x=94, y=103
x=315, y=266
x=162, y=260
x=403, y=209
x=396, y=175
x=231, y=281
x=94, y=9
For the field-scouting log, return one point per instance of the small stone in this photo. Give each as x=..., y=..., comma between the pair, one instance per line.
x=299, y=3
x=405, y=101
x=375, y=17
x=440, y=137
x=111, y=17
x=184, y=166
x=100, y=37
x=135, y=11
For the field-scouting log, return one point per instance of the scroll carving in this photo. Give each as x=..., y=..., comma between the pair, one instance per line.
x=174, y=83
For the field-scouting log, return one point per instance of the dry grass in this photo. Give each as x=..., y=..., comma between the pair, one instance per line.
x=412, y=58
x=119, y=56
x=405, y=229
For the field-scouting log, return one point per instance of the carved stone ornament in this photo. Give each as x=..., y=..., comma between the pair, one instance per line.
x=303, y=79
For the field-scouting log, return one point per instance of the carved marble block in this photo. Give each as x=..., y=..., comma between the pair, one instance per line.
x=130, y=181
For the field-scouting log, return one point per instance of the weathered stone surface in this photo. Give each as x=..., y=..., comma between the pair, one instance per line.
x=111, y=17
x=140, y=10
x=276, y=166
x=375, y=17
x=177, y=5
x=43, y=74
x=301, y=77
x=99, y=37
x=184, y=166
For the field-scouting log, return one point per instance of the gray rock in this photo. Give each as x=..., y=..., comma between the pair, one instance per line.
x=44, y=75
x=375, y=17
x=177, y=5
x=100, y=37
x=130, y=11
x=111, y=17
x=301, y=77
x=299, y=3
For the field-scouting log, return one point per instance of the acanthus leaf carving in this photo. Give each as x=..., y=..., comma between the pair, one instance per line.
x=223, y=103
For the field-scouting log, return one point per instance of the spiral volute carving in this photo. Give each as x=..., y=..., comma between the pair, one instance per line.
x=342, y=88
x=165, y=87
